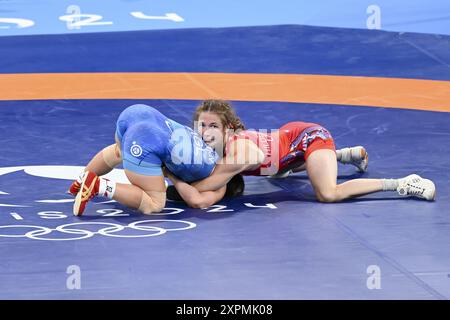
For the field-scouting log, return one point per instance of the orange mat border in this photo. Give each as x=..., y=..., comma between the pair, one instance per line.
x=417, y=94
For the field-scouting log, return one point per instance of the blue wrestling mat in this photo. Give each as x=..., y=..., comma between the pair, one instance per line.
x=274, y=242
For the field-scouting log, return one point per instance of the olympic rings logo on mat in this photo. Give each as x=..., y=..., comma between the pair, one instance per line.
x=110, y=230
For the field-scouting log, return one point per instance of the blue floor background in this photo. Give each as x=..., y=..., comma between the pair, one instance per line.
x=301, y=249
x=277, y=49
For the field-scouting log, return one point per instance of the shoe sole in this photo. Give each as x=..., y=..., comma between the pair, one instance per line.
x=77, y=203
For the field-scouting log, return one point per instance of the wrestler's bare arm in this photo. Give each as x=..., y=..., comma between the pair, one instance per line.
x=193, y=197
x=243, y=155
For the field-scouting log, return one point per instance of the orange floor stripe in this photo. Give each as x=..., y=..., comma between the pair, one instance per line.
x=343, y=90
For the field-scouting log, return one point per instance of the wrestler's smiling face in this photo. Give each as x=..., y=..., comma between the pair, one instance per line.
x=212, y=130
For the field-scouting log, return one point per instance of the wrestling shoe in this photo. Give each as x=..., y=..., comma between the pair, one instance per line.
x=89, y=188
x=356, y=156
x=74, y=187
x=416, y=186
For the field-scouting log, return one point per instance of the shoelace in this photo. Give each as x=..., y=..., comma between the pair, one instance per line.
x=415, y=190
x=86, y=190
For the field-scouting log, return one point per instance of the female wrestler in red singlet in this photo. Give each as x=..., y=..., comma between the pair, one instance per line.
x=294, y=147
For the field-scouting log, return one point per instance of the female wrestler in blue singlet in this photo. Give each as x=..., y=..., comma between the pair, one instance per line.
x=146, y=141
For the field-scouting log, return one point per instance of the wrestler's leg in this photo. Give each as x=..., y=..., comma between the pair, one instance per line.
x=322, y=171
x=147, y=193
x=102, y=163
x=105, y=160
x=321, y=166
x=356, y=156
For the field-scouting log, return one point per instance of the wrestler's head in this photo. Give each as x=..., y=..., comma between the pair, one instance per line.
x=235, y=188
x=215, y=121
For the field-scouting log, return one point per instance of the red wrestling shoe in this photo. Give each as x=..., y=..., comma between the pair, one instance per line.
x=88, y=189
x=74, y=188
x=76, y=185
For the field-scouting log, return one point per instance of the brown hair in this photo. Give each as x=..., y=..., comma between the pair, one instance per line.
x=224, y=110
x=235, y=188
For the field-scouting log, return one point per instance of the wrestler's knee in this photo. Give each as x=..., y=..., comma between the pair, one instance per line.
x=327, y=195
x=152, y=204
x=111, y=156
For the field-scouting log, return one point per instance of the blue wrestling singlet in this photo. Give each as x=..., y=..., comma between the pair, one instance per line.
x=149, y=140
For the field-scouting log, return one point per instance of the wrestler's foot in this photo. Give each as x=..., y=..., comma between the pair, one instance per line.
x=416, y=186
x=356, y=156
x=89, y=188
x=75, y=186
